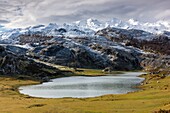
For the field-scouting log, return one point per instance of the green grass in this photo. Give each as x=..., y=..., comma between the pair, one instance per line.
x=80, y=71
x=154, y=96
x=94, y=72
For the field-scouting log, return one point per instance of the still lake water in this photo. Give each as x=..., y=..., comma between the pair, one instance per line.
x=83, y=87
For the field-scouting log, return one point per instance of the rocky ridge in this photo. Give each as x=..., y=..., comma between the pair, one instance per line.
x=156, y=47
x=116, y=45
x=12, y=64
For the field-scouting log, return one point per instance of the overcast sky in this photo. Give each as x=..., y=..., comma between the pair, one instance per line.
x=18, y=13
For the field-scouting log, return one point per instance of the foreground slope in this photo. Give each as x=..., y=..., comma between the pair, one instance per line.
x=155, y=96
x=122, y=47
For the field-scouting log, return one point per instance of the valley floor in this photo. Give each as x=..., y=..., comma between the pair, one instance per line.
x=154, y=96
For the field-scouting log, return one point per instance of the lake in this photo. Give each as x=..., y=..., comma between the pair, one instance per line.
x=84, y=87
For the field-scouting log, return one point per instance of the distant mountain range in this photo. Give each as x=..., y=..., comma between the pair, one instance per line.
x=110, y=45
x=83, y=28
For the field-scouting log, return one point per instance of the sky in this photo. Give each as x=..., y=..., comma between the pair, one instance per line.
x=23, y=13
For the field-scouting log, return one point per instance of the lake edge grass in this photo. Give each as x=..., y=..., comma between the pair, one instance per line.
x=111, y=100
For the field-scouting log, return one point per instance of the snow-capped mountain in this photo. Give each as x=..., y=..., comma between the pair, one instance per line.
x=156, y=28
x=10, y=36
x=90, y=43
x=93, y=24
x=82, y=28
x=2, y=29
x=52, y=29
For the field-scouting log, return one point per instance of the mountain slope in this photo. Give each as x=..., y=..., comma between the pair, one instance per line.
x=114, y=44
x=12, y=64
x=83, y=28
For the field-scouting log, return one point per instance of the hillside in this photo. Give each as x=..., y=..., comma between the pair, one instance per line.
x=86, y=48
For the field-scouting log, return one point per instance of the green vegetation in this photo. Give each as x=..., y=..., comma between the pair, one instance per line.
x=79, y=71
x=155, y=97
x=94, y=72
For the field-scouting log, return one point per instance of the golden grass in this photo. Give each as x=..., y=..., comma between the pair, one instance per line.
x=155, y=96
x=94, y=72
x=80, y=71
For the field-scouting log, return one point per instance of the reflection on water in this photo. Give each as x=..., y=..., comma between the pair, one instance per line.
x=82, y=87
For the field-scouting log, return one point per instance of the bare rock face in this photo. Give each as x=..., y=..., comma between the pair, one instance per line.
x=16, y=50
x=157, y=56
x=154, y=62
x=119, y=49
x=158, y=44
x=88, y=52
x=12, y=64
x=2, y=49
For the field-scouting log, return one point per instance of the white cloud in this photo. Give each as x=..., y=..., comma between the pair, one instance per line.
x=20, y=13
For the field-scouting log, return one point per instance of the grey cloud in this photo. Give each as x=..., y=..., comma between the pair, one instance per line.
x=4, y=21
x=60, y=19
x=30, y=12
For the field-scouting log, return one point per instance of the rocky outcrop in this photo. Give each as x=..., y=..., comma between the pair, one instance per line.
x=76, y=46
x=154, y=62
x=139, y=39
x=33, y=38
x=87, y=52
x=157, y=56
x=12, y=64
x=111, y=48
x=16, y=50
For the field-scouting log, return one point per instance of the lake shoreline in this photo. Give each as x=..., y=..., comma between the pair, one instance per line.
x=85, y=87
x=141, y=101
x=124, y=74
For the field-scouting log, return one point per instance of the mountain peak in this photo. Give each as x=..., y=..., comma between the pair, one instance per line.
x=86, y=27
x=133, y=22
x=90, y=23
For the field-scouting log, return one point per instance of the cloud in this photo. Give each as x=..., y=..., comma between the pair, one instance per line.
x=18, y=13
x=4, y=21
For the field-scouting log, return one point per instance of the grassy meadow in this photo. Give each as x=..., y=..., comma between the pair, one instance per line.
x=155, y=96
